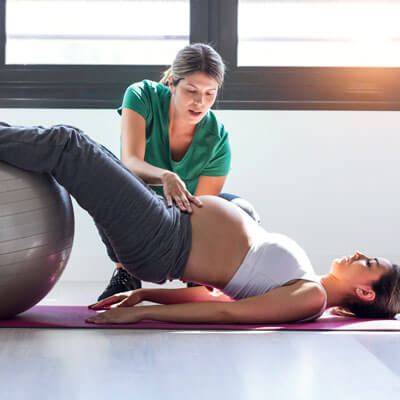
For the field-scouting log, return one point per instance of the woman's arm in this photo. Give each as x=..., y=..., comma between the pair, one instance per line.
x=189, y=312
x=133, y=136
x=133, y=132
x=284, y=304
x=161, y=296
x=184, y=295
x=210, y=185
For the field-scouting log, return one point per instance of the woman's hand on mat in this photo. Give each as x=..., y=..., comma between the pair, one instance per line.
x=117, y=316
x=175, y=191
x=125, y=299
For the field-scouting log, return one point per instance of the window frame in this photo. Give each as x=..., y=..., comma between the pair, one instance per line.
x=253, y=88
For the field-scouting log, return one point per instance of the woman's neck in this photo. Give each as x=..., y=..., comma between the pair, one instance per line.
x=177, y=125
x=335, y=290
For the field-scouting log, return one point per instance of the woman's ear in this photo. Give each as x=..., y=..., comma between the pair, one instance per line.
x=365, y=294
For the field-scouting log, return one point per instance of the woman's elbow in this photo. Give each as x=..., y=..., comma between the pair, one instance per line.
x=226, y=314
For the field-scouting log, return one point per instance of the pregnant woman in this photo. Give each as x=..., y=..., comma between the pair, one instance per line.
x=268, y=275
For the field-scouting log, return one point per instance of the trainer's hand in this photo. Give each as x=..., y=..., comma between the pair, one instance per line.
x=175, y=191
x=125, y=299
x=117, y=316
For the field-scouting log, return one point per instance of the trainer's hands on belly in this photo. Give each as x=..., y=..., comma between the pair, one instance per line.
x=175, y=191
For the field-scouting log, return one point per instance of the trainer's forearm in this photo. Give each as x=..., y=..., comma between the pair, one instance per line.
x=149, y=173
x=211, y=312
x=180, y=296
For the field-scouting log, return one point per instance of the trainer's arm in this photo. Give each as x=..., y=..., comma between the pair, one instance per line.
x=133, y=134
x=210, y=185
x=133, y=144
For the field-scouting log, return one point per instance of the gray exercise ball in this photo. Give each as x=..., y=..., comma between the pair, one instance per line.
x=36, y=235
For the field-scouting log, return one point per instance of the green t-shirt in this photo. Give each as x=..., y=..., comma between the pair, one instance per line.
x=209, y=153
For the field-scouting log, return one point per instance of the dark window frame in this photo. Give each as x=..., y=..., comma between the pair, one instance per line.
x=255, y=88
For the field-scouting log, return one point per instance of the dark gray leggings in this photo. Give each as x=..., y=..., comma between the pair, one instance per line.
x=151, y=240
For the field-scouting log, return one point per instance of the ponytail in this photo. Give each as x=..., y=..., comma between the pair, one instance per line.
x=165, y=75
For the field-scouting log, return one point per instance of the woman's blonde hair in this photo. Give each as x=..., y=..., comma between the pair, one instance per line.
x=196, y=57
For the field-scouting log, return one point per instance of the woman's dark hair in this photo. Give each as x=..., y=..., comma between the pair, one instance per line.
x=196, y=57
x=387, y=298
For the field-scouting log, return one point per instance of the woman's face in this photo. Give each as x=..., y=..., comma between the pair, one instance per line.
x=359, y=269
x=193, y=96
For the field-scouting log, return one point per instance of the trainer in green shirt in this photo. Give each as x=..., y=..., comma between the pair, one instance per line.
x=172, y=140
x=209, y=152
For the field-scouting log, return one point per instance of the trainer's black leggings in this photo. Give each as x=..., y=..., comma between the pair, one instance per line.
x=149, y=238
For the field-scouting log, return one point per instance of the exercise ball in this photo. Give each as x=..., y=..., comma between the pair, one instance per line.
x=36, y=235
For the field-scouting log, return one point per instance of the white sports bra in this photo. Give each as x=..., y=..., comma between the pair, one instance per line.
x=272, y=260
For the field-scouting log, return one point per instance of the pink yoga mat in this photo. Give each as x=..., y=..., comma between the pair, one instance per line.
x=74, y=317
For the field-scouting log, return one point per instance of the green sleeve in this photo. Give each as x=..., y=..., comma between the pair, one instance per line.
x=220, y=162
x=137, y=98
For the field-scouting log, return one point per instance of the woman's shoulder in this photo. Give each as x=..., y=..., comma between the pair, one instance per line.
x=316, y=297
x=148, y=86
x=146, y=97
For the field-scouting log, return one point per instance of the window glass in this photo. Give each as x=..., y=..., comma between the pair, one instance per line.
x=95, y=31
x=319, y=33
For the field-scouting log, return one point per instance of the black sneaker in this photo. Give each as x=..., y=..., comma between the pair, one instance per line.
x=191, y=284
x=121, y=281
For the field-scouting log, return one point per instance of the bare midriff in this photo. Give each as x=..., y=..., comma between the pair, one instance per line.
x=221, y=237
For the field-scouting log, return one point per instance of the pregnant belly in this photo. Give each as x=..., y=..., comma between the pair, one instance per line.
x=221, y=237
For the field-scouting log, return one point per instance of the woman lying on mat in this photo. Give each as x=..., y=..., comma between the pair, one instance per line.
x=218, y=245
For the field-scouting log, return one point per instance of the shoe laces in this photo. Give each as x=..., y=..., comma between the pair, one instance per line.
x=120, y=277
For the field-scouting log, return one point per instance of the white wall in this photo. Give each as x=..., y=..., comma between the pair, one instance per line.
x=328, y=179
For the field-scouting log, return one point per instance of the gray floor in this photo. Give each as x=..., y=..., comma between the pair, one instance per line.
x=110, y=364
